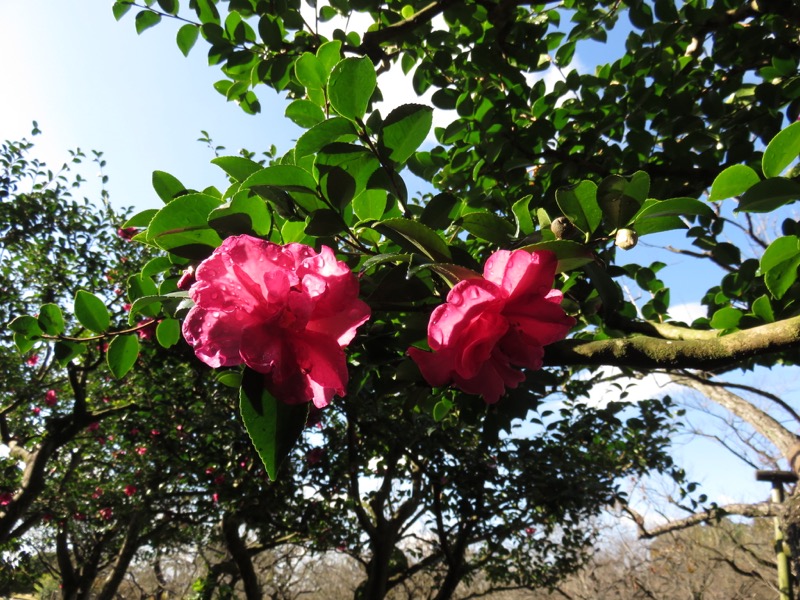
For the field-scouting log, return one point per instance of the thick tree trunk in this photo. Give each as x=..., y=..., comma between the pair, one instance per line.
x=238, y=550
x=124, y=557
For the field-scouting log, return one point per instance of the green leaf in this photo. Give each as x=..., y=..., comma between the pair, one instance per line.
x=441, y=409
x=231, y=379
x=160, y=264
x=638, y=187
x=91, y=312
x=522, y=215
x=26, y=326
x=305, y=113
x=487, y=226
x=404, y=130
x=181, y=227
x=324, y=222
x=245, y=213
x=579, y=205
x=762, y=308
x=51, y=320
x=733, y=181
x=166, y=186
x=370, y=204
x=238, y=167
x=140, y=303
x=146, y=19
x=329, y=54
x=451, y=273
x=23, y=343
x=273, y=426
x=64, y=351
x=310, y=72
x=140, y=286
x=351, y=85
x=782, y=151
x=726, y=318
x=168, y=332
x=327, y=132
x=122, y=353
x=440, y=211
x=416, y=237
x=570, y=255
x=779, y=264
x=767, y=195
x=299, y=184
x=617, y=202
x=169, y=6
x=672, y=207
x=120, y=8
x=141, y=219
x=187, y=36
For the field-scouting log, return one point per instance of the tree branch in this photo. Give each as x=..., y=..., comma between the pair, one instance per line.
x=761, y=509
x=646, y=352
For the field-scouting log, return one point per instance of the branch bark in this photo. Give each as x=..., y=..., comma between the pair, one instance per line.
x=647, y=352
x=761, y=509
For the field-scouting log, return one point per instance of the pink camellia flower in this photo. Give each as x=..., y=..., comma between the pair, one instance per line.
x=36, y=410
x=32, y=360
x=130, y=490
x=127, y=233
x=284, y=311
x=6, y=498
x=50, y=398
x=106, y=513
x=491, y=325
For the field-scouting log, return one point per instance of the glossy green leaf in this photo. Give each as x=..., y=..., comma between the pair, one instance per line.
x=158, y=265
x=416, y=237
x=26, y=326
x=91, y=312
x=310, y=71
x=141, y=219
x=329, y=54
x=370, y=204
x=672, y=207
x=579, y=205
x=23, y=343
x=570, y=255
x=324, y=222
x=487, y=226
x=733, y=181
x=638, y=186
x=122, y=353
x=244, y=214
x=779, y=264
x=231, y=379
x=181, y=227
x=168, y=332
x=51, y=320
x=522, y=215
x=273, y=426
x=168, y=6
x=64, y=351
x=726, y=318
x=238, y=167
x=451, y=273
x=770, y=194
x=186, y=38
x=781, y=151
x=305, y=113
x=350, y=87
x=327, y=132
x=617, y=203
x=441, y=409
x=282, y=183
x=146, y=19
x=404, y=130
x=120, y=8
x=762, y=308
x=139, y=304
x=440, y=211
x=167, y=186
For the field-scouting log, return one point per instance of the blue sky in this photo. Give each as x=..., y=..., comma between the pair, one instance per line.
x=91, y=82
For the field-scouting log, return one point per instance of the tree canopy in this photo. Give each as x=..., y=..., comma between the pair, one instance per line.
x=411, y=359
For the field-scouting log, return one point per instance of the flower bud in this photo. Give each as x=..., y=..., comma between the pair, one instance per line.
x=626, y=239
x=563, y=228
